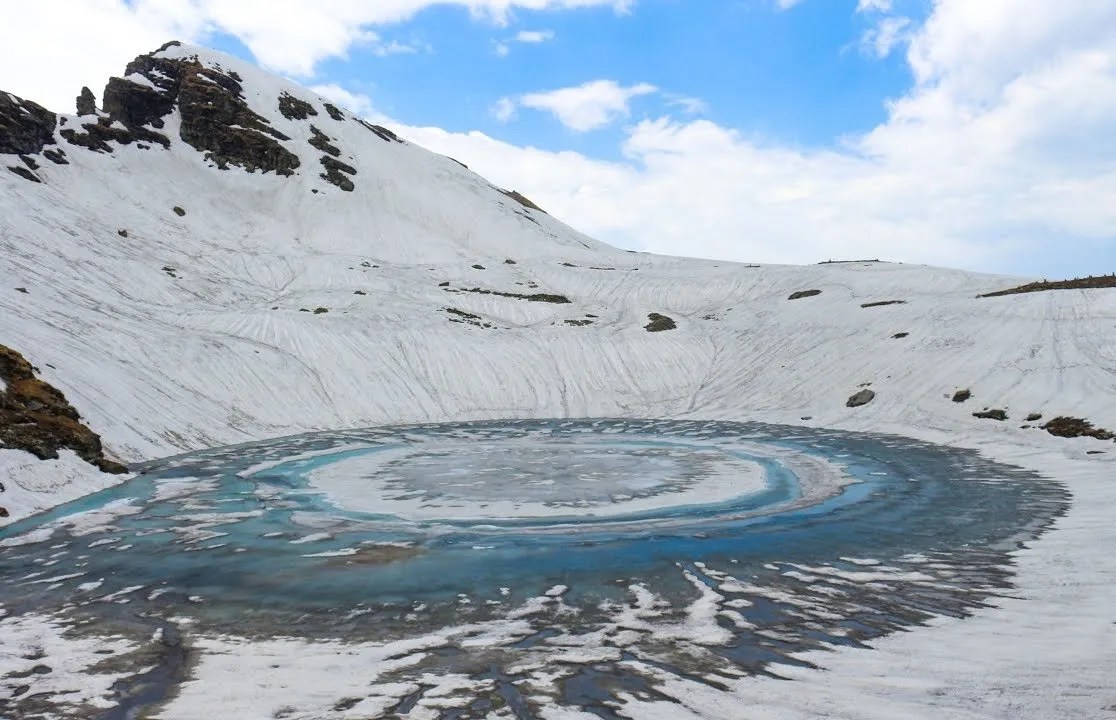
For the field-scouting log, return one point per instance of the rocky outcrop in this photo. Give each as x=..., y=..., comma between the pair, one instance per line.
x=659, y=323
x=25, y=127
x=803, y=294
x=993, y=414
x=336, y=173
x=1092, y=282
x=37, y=418
x=1076, y=427
x=320, y=141
x=98, y=135
x=216, y=118
x=380, y=131
x=861, y=398
x=522, y=200
x=294, y=109
x=86, y=102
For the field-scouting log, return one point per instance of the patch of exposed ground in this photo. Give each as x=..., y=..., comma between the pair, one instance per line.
x=467, y=318
x=659, y=323
x=803, y=294
x=1076, y=427
x=37, y=418
x=1092, y=282
x=522, y=200
x=533, y=297
x=293, y=108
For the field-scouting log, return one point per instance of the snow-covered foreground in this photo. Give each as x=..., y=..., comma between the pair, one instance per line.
x=278, y=305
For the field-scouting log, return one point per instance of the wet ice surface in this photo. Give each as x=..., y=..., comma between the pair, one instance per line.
x=536, y=562
x=535, y=477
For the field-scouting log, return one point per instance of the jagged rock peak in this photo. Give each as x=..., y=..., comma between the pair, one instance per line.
x=86, y=102
x=215, y=117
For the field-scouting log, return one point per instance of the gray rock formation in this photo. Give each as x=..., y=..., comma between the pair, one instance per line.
x=863, y=397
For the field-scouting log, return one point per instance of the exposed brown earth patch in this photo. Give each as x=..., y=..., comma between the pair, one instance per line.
x=37, y=418
x=1092, y=282
x=659, y=323
x=522, y=200
x=1070, y=427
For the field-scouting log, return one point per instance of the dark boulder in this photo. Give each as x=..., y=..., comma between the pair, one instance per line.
x=863, y=397
x=659, y=323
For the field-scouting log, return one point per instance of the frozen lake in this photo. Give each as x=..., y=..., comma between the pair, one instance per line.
x=711, y=548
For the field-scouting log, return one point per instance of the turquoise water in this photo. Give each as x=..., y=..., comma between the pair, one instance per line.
x=258, y=550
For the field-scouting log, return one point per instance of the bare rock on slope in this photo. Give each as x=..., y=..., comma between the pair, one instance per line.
x=37, y=418
x=1076, y=427
x=86, y=102
x=25, y=127
x=863, y=397
x=216, y=118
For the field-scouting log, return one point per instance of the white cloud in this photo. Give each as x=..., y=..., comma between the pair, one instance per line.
x=61, y=45
x=502, y=48
x=395, y=47
x=534, y=37
x=1001, y=157
x=78, y=42
x=357, y=103
x=688, y=105
x=876, y=5
x=585, y=107
x=786, y=4
x=889, y=33
x=504, y=109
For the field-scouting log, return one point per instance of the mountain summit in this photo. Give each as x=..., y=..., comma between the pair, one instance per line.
x=197, y=109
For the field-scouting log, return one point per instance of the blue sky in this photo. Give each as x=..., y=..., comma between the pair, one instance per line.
x=794, y=76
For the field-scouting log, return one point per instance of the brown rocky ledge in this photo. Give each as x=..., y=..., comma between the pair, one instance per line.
x=37, y=418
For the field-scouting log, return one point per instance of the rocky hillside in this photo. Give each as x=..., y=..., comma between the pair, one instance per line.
x=209, y=254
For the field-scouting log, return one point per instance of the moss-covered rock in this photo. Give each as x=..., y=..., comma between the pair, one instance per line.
x=659, y=323
x=37, y=418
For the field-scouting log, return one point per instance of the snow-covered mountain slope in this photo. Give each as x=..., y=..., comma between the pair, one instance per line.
x=274, y=301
